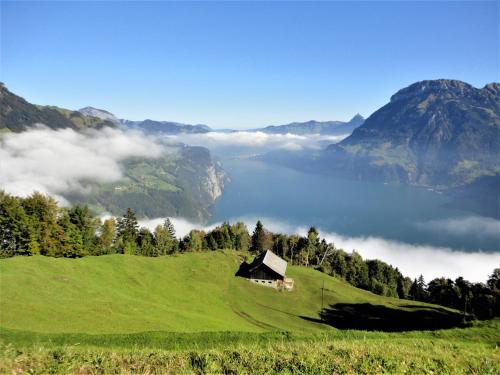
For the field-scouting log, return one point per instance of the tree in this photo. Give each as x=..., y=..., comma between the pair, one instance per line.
x=127, y=232
x=146, y=243
x=70, y=238
x=241, y=237
x=312, y=245
x=338, y=263
x=86, y=224
x=43, y=215
x=293, y=243
x=259, y=239
x=280, y=245
x=169, y=227
x=194, y=241
x=494, y=280
x=404, y=285
x=165, y=240
x=357, y=270
x=418, y=290
x=107, y=237
x=15, y=230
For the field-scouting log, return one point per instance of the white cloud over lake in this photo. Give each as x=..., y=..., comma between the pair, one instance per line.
x=259, y=140
x=59, y=161
x=412, y=260
x=465, y=226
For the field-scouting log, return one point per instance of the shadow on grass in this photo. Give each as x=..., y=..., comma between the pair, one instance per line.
x=370, y=317
x=243, y=270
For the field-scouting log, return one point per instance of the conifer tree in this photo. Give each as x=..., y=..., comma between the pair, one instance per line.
x=258, y=239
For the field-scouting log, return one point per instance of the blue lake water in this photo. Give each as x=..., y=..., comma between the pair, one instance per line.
x=350, y=208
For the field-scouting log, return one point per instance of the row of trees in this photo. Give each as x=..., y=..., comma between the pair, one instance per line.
x=36, y=225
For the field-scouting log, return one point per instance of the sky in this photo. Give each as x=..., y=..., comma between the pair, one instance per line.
x=241, y=64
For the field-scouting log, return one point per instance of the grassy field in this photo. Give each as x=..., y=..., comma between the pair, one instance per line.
x=189, y=313
x=194, y=292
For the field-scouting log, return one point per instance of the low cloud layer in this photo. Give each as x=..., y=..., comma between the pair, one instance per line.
x=466, y=226
x=259, y=140
x=59, y=161
x=412, y=260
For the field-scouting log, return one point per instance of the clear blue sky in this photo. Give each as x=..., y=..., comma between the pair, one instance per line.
x=240, y=65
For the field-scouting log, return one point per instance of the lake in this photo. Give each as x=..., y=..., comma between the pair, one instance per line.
x=351, y=208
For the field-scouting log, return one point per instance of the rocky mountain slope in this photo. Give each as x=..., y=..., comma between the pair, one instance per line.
x=440, y=133
x=99, y=113
x=183, y=183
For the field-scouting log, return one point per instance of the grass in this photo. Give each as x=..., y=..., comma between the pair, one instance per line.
x=377, y=354
x=190, y=314
x=185, y=293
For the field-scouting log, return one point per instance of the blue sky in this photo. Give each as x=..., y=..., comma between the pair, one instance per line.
x=241, y=64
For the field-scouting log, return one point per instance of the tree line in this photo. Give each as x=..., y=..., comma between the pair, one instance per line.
x=37, y=225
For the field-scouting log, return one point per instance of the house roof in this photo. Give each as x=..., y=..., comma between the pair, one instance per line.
x=271, y=260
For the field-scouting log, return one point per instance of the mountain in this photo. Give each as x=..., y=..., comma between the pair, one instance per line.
x=166, y=127
x=99, y=113
x=147, y=126
x=16, y=115
x=440, y=133
x=185, y=182
x=315, y=127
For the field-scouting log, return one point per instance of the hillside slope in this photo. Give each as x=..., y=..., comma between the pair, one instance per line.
x=184, y=183
x=440, y=133
x=17, y=115
x=192, y=292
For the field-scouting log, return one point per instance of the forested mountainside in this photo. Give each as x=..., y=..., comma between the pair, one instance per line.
x=183, y=182
x=316, y=127
x=16, y=115
x=440, y=133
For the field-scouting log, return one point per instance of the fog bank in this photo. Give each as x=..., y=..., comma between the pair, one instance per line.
x=58, y=161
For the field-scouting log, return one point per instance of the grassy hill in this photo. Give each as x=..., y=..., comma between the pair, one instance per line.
x=194, y=292
x=189, y=314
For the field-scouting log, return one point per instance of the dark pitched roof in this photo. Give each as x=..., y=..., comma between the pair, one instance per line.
x=271, y=260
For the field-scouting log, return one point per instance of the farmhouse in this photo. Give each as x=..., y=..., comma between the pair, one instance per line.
x=269, y=269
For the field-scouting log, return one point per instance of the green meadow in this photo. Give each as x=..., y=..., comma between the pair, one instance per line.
x=189, y=313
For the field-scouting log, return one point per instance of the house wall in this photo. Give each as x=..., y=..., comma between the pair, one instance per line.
x=270, y=283
x=264, y=273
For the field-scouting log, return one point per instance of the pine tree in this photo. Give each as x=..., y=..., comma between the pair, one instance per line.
x=127, y=232
x=258, y=239
x=170, y=228
x=127, y=226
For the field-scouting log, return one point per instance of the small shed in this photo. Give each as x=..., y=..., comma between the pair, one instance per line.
x=270, y=270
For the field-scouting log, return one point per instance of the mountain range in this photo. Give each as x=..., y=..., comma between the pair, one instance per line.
x=315, y=127
x=148, y=126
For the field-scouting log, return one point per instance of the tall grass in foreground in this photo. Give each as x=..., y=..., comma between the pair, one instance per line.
x=376, y=356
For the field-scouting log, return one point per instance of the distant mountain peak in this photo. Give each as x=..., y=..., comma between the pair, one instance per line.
x=99, y=113
x=357, y=120
x=436, y=86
